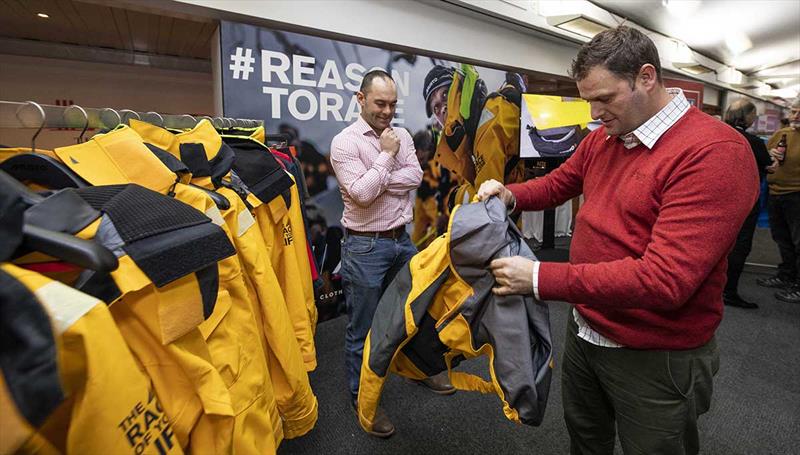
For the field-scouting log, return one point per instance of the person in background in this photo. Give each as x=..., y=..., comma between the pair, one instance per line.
x=666, y=190
x=784, y=207
x=315, y=165
x=434, y=90
x=426, y=207
x=741, y=114
x=377, y=170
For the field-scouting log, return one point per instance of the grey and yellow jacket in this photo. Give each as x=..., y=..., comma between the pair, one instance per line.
x=440, y=310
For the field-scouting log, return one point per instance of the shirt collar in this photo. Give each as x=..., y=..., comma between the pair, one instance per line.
x=650, y=131
x=362, y=127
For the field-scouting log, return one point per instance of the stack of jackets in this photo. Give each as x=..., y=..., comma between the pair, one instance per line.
x=201, y=340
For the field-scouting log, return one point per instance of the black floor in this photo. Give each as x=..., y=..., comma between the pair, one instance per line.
x=755, y=410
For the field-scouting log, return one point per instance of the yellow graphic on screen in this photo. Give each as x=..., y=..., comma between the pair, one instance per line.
x=552, y=126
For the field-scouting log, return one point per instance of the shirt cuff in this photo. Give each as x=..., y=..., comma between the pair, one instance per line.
x=385, y=161
x=535, y=279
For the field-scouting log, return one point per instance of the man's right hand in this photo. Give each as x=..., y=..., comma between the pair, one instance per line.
x=774, y=166
x=491, y=188
x=777, y=154
x=390, y=143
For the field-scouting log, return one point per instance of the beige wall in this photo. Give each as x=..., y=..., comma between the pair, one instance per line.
x=97, y=85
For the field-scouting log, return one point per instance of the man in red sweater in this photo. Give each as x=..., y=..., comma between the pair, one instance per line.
x=666, y=189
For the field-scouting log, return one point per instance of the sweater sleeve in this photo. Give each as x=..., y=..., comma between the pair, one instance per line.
x=704, y=203
x=760, y=151
x=557, y=187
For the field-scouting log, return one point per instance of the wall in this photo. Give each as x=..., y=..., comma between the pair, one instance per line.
x=406, y=23
x=97, y=85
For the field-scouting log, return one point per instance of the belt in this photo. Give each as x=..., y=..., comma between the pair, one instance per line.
x=390, y=234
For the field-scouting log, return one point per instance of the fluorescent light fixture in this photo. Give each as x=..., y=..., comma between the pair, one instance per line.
x=749, y=84
x=579, y=24
x=43, y=15
x=694, y=69
x=764, y=90
x=683, y=58
x=730, y=75
x=680, y=9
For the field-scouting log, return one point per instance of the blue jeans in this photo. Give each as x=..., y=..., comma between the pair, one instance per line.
x=369, y=264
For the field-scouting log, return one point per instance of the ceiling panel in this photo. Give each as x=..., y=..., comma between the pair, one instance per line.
x=748, y=35
x=94, y=24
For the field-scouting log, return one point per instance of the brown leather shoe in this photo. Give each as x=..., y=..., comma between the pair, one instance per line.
x=438, y=384
x=382, y=427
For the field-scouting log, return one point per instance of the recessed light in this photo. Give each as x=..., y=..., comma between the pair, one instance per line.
x=43, y=15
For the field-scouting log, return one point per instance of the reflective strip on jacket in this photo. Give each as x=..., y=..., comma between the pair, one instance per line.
x=98, y=399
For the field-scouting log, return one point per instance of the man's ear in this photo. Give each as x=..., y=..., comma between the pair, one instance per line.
x=648, y=76
x=362, y=98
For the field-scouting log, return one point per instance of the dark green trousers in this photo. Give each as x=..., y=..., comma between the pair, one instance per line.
x=652, y=397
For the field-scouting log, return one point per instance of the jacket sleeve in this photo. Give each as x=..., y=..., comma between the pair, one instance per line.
x=496, y=142
x=704, y=203
x=361, y=183
x=557, y=187
x=407, y=173
x=760, y=151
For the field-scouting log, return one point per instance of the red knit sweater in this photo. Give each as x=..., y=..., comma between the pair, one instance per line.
x=649, y=251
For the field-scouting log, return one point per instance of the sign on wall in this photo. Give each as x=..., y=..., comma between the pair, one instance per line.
x=307, y=84
x=553, y=126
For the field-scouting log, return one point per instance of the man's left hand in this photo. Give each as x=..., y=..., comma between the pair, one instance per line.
x=513, y=275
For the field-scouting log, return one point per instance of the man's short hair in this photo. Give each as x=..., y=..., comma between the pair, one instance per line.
x=737, y=113
x=366, y=83
x=622, y=51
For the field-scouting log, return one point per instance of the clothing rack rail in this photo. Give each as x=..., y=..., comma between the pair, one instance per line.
x=30, y=114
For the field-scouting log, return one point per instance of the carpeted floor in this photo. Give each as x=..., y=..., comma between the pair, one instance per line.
x=755, y=410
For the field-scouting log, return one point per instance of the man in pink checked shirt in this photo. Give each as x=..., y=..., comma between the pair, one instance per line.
x=378, y=171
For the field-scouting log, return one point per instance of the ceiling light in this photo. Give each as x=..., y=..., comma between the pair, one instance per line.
x=43, y=15
x=694, y=69
x=737, y=42
x=578, y=24
x=681, y=9
x=749, y=84
x=683, y=58
x=729, y=75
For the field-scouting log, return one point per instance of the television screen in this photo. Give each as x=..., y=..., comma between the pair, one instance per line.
x=553, y=126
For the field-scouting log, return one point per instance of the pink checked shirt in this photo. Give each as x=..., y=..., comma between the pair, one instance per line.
x=377, y=189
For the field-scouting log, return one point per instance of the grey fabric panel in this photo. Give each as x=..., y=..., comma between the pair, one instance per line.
x=63, y=211
x=388, y=326
x=516, y=326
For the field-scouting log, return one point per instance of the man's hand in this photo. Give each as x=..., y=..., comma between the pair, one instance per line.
x=491, y=188
x=774, y=166
x=513, y=275
x=776, y=154
x=390, y=143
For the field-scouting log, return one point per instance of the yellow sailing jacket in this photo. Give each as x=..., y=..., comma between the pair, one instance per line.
x=295, y=400
x=231, y=333
x=280, y=219
x=157, y=309
x=69, y=382
x=496, y=147
x=440, y=309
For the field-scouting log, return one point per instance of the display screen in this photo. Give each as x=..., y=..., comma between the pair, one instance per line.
x=553, y=126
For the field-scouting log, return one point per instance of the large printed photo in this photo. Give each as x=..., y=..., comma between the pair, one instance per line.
x=465, y=119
